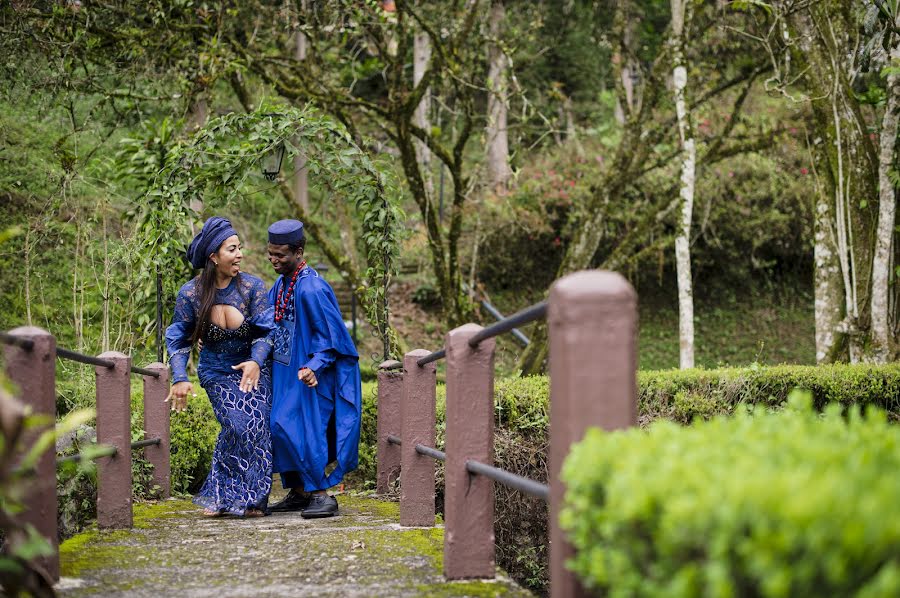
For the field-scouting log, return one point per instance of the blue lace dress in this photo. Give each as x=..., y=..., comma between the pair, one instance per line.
x=241, y=474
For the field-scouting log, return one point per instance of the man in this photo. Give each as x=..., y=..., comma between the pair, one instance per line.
x=317, y=394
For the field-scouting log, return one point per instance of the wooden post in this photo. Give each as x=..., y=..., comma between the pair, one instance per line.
x=114, y=428
x=417, y=482
x=469, y=499
x=156, y=425
x=34, y=372
x=390, y=421
x=592, y=320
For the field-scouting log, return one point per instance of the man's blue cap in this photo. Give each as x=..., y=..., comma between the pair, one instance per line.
x=286, y=232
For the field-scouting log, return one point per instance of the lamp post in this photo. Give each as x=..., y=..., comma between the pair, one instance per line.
x=271, y=162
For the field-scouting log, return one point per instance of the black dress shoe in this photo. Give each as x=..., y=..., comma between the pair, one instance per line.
x=321, y=505
x=294, y=501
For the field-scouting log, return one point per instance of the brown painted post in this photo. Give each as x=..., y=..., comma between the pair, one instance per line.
x=114, y=429
x=390, y=421
x=156, y=425
x=592, y=319
x=34, y=372
x=417, y=481
x=469, y=499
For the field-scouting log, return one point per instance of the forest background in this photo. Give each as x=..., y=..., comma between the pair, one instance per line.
x=735, y=160
x=737, y=154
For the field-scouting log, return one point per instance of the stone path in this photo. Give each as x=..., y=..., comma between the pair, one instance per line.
x=173, y=551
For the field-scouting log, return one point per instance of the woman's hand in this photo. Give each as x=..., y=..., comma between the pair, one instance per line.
x=250, y=378
x=178, y=395
x=308, y=377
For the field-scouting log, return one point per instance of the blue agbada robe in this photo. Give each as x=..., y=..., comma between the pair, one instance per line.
x=313, y=335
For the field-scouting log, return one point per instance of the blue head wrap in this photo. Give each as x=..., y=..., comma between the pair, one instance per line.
x=208, y=240
x=286, y=232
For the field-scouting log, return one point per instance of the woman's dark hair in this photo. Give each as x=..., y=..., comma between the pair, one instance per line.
x=206, y=287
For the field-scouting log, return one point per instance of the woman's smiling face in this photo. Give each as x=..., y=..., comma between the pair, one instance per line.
x=228, y=257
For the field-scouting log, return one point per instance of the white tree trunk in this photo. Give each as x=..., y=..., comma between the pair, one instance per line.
x=421, y=58
x=498, y=167
x=301, y=183
x=688, y=168
x=881, y=262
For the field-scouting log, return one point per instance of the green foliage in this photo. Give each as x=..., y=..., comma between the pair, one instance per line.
x=364, y=475
x=193, y=438
x=682, y=395
x=521, y=409
x=218, y=161
x=765, y=503
x=24, y=439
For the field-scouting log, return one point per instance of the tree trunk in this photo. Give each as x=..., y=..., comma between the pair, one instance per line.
x=301, y=184
x=828, y=288
x=421, y=58
x=881, y=264
x=498, y=167
x=681, y=17
x=826, y=34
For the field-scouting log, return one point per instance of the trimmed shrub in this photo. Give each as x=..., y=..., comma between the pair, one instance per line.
x=682, y=395
x=521, y=409
x=765, y=503
x=193, y=438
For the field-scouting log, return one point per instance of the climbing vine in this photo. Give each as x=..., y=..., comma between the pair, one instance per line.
x=213, y=165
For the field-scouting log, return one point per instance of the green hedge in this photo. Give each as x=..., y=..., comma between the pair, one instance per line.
x=521, y=412
x=773, y=503
x=684, y=395
x=193, y=438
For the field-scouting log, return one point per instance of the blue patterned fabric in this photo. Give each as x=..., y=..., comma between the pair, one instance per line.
x=241, y=474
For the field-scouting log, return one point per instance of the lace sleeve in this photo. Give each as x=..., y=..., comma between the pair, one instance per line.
x=262, y=321
x=178, y=336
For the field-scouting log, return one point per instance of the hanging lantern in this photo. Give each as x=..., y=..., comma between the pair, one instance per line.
x=271, y=162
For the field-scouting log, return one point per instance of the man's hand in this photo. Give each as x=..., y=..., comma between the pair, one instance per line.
x=178, y=395
x=308, y=377
x=250, y=378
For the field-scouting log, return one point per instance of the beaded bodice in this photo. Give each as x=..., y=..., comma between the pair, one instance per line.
x=228, y=340
x=222, y=347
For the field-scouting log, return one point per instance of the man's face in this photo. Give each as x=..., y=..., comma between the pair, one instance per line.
x=283, y=260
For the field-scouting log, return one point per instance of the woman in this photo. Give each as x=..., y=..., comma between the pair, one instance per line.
x=230, y=314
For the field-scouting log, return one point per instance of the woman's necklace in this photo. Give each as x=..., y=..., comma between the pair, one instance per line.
x=285, y=299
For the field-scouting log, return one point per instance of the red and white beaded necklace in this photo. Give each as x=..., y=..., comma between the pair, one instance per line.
x=285, y=299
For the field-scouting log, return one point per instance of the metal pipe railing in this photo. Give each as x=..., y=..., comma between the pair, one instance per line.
x=394, y=440
x=524, y=340
x=144, y=372
x=431, y=452
x=529, y=314
x=108, y=451
x=517, y=482
x=82, y=358
x=440, y=354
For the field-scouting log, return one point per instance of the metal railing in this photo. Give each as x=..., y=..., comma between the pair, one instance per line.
x=592, y=324
x=106, y=451
x=532, y=487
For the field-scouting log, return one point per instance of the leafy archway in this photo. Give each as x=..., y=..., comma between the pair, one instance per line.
x=214, y=164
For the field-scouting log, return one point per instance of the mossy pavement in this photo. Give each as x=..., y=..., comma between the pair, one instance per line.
x=173, y=551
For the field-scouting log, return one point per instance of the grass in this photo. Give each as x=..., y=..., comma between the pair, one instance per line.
x=768, y=325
